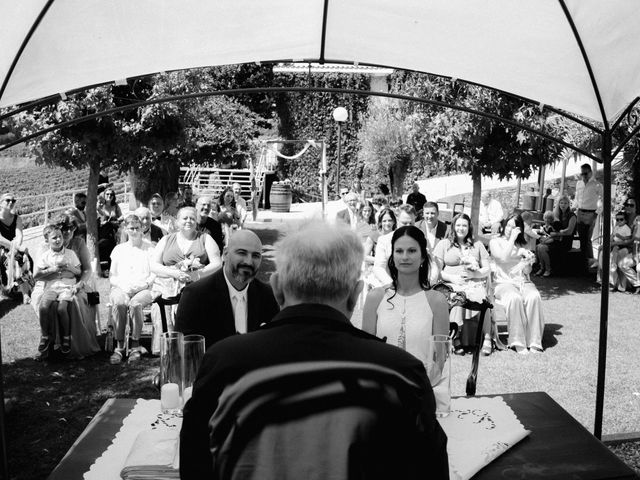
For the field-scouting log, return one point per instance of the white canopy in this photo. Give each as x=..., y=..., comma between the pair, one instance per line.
x=525, y=47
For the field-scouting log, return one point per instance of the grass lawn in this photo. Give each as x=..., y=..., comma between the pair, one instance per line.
x=53, y=402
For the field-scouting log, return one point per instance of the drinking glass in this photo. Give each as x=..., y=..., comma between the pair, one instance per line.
x=171, y=371
x=193, y=354
x=439, y=372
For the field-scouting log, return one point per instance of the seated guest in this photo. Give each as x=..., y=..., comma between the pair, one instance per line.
x=131, y=281
x=407, y=312
x=317, y=285
x=380, y=203
x=150, y=231
x=79, y=215
x=228, y=217
x=231, y=300
x=59, y=267
x=349, y=216
x=626, y=274
x=161, y=216
x=387, y=223
x=187, y=197
x=367, y=222
x=15, y=262
x=559, y=238
x=531, y=234
x=406, y=217
x=491, y=213
x=82, y=315
x=206, y=224
x=464, y=265
x=514, y=289
x=183, y=256
x=433, y=228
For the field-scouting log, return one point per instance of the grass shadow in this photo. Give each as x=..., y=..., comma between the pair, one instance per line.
x=551, y=331
x=556, y=287
x=49, y=412
x=7, y=304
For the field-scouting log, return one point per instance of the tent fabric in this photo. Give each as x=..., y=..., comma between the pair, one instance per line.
x=525, y=47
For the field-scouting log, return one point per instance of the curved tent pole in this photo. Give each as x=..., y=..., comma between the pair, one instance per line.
x=23, y=45
x=255, y=90
x=562, y=113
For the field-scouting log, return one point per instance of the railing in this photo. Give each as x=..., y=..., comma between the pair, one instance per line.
x=49, y=209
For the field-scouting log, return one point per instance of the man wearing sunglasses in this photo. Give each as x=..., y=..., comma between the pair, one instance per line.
x=588, y=203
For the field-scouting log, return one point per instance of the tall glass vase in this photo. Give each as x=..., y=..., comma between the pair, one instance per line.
x=171, y=371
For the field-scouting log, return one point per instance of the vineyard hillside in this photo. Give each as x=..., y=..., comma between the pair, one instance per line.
x=32, y=183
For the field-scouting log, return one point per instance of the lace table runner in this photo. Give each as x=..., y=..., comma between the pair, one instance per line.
x=479, y=430
x=145, y=415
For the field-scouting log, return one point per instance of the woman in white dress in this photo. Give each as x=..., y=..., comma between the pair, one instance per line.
x=514, y=290
x=407, y=312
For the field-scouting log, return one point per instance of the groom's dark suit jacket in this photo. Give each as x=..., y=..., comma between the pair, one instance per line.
x=205, y=308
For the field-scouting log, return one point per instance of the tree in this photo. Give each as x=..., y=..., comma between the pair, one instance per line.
x=150, y=142
x=385, y=144
x=443, y=140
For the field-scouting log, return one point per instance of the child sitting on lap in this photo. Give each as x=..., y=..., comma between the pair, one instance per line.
x=58, y=267
x=550, y=225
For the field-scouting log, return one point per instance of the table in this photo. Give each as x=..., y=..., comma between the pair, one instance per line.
x=558, y=447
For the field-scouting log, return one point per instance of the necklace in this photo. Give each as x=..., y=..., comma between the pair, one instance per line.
x=402, y=336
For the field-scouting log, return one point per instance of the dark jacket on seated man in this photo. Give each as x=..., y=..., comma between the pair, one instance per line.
x=205, y=308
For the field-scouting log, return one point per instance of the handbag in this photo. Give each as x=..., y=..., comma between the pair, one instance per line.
x=93, y=298
x=454, y=298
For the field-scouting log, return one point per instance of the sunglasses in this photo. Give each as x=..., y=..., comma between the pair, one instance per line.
x=10, y=200
x=619, y=219
x=67, y=229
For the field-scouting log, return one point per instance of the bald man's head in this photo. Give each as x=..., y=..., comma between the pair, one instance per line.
x=242, y=258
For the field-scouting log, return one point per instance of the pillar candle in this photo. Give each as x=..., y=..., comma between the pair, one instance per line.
x=170, y=396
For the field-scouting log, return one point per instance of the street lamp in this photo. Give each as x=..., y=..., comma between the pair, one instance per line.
x=340, y=115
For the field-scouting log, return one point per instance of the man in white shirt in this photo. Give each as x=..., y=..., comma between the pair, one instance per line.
x=349, y=215
x=230, y=300
x=434, y=229
x=491, y=213
x=588, y=202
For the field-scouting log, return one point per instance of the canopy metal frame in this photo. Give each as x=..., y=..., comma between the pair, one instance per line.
x=606, y=156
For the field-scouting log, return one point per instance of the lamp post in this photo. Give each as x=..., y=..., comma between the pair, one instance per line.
x=340, y=115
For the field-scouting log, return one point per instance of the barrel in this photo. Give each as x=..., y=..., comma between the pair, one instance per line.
x=529, y=201
x=280, y=197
